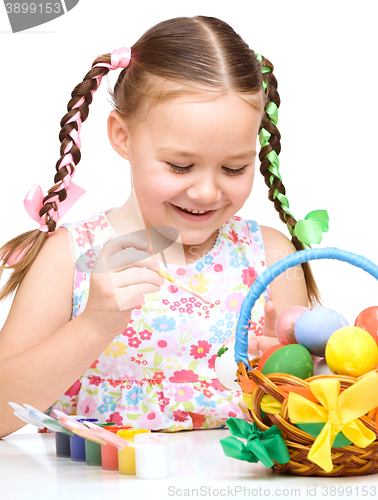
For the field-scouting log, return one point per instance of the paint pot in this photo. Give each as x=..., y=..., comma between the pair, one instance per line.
x=93, y=450
x=109, y=453
x=62, y=444
x=77, y=443
x=126, y=457
x=152, y=456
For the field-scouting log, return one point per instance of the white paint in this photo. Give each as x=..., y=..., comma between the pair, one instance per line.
x=152, y=456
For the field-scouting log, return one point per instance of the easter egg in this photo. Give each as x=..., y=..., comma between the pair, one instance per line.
x=321, y=368
x=351, y=351
x=267, y=355
x=368, y=320
x=226, y=367
x=315, y=326
x=286, y=322
x=293, y=359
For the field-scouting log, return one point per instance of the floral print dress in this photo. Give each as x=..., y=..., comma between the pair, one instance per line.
x=159, y=373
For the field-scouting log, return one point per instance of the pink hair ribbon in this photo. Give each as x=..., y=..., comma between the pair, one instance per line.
x=17, y=255
x=120, y=58
x=34, y=202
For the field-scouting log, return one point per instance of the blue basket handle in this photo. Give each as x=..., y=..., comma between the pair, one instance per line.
x=261, y=283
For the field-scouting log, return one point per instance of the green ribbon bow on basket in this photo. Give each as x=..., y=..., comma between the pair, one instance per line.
x=263, y=446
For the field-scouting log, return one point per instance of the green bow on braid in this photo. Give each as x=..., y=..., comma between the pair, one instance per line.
x=309, y=230
x=261, y=446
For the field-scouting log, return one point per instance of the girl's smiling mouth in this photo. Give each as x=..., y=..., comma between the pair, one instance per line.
x=193, y=214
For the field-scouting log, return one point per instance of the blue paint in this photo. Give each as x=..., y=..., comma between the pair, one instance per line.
x=77, y=443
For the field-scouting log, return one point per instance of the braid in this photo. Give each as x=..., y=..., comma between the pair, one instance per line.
x=270, y=149
x=69, y=136
x=20, y=252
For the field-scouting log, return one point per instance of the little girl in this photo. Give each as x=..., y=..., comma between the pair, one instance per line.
x=94, y=329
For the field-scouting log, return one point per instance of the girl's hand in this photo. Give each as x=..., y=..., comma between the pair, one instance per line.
x=122, y=274
x=261, y=343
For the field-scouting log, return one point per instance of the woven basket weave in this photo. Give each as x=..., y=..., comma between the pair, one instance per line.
x=348, y=461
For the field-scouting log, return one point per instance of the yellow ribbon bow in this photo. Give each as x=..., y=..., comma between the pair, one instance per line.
x=340, y=412
x=270, y=405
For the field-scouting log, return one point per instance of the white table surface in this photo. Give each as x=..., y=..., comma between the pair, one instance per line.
x=29, y=469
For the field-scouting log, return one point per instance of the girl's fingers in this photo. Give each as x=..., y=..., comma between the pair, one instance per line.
x=253, y=348
x=264, y=343
x=131, y=257
x=123, y=251
x=120, y=242
x=270, y=319
x=258, y=345
x=135, y=276
x=131, y=297
x=125, y=299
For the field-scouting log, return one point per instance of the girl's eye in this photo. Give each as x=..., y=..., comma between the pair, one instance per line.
x=236, y=171
x=181, y=170
x=229, y=171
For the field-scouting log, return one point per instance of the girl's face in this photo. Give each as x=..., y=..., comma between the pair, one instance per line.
x=195, y=155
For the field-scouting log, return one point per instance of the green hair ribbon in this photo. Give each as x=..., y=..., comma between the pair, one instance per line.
x=310, y=229
x=261, y=446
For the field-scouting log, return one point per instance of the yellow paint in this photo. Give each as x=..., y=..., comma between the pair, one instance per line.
x=126, y=457
x=166, y=276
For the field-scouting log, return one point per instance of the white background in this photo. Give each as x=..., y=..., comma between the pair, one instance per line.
x=324, y=55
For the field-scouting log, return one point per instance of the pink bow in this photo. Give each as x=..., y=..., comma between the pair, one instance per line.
x=34, y=202
x=120, y=58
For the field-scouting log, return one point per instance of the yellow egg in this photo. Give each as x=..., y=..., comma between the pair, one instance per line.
x=351, y=351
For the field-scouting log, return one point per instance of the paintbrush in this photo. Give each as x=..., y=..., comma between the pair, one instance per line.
x=170, y=278
x=178, y=283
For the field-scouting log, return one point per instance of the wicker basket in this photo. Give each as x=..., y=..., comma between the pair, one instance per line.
x=348, y=461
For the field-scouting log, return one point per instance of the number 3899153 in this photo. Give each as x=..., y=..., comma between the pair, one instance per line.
x=32, y=8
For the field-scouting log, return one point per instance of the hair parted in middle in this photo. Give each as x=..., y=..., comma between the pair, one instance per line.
x=180, y=56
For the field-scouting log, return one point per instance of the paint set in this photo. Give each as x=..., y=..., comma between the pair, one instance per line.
x=137, y=452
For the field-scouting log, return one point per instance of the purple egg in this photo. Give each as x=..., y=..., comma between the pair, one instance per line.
x=315, y=326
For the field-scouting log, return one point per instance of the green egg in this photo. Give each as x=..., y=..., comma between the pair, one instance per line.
x=293, y=359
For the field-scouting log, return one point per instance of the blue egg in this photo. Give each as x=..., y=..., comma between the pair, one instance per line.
x=315, y=326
